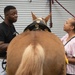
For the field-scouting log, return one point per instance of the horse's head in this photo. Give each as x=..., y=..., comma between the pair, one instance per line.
x=43, y=20
x=38, y=23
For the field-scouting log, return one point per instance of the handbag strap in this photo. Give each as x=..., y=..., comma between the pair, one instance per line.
x=69, y=40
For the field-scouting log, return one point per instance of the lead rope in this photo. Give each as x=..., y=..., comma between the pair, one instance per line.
x=1, y=17
x=50, y=4
x=4, y=64
x=65, y=9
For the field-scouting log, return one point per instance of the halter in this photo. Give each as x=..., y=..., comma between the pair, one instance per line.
x=37, y=25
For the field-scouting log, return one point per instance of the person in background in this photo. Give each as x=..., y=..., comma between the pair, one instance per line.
x=7, y=29
x=69, y=45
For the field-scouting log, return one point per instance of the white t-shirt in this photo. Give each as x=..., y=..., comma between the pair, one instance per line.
x=70, y=50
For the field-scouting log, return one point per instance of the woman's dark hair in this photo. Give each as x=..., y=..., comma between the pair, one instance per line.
x=73, y=24
x=8, y=8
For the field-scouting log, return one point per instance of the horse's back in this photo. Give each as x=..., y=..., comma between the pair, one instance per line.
x=54, y=62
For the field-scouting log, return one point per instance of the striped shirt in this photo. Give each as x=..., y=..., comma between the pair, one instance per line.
x=70, y=50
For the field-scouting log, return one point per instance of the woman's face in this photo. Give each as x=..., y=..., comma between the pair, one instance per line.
x=68, y=25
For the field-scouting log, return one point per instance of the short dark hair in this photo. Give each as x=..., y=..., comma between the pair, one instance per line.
x=8, y=8
x=73, y=24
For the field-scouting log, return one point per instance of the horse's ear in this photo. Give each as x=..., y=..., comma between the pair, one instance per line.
x=47, y=18
x=33, y=16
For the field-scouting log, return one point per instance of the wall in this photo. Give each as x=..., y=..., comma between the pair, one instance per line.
x=41, y=9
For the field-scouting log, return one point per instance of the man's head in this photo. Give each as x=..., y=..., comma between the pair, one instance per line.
x=10, y=13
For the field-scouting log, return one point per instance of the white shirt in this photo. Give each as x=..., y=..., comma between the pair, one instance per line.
x=70, y=50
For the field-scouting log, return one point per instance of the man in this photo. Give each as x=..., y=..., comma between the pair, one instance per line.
x=7, y=29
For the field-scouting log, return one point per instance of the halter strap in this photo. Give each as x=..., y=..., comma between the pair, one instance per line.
x=36, y=26
x=69, y=40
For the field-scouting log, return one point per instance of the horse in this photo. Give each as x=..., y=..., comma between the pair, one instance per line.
x=36, y=51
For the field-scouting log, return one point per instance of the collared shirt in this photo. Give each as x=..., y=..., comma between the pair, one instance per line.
x=70, y=50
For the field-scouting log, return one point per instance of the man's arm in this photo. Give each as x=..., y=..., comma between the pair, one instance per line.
x=3, y=46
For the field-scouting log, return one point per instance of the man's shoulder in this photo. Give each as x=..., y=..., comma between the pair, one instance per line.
x=2, y=25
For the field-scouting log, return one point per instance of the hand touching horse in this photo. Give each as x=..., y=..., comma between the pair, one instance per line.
x=36, y=51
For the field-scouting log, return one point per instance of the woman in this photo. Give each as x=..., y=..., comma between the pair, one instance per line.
x=69, y=44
